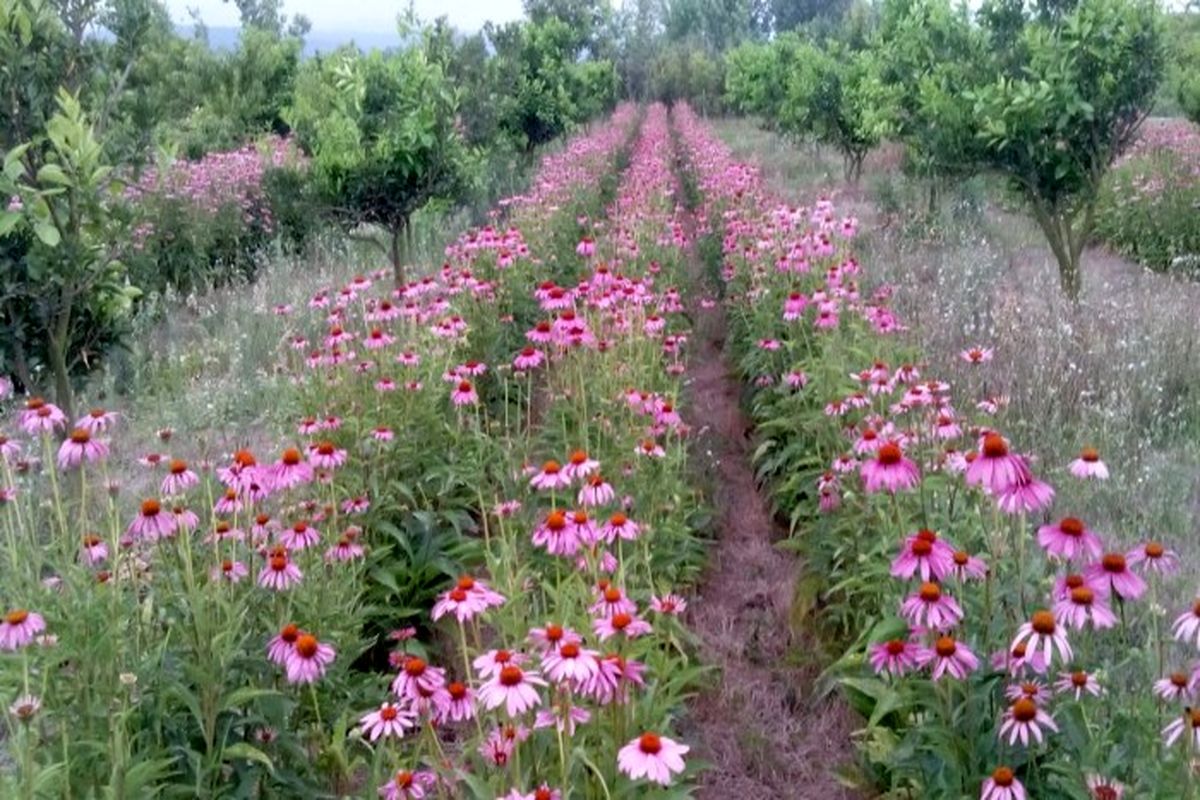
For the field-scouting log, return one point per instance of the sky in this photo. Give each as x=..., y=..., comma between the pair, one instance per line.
x=376, y=16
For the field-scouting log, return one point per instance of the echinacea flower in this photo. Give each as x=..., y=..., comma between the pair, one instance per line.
x=1077, y=683
x=464, y=394
x=1081, y=605
x=889, y=471
x=79, y=448
x=230, y=571
x=280, y=572
x=308, y=660
x=1153, y=557
x=619, y=526
x=282, y=644
x=152, y=522
x=1043, y=634
x=464, y=605
x=995, y=468
x=556, y=535
x=653, y=757
x=40, y=417
x=896, y=657
x=1024, y=720
x=300, y=536
x=570, y=663
x=513, y=688
x=1175, y=687
x=968, y=567
x=1187, y=723
x=407, y=785
x=179, y=478
x=579, y=466
x=1025, y=495
x=976, y=355
x=461, y=705
x=291, y=470
x=25, y=707
x=97, y=421
x=1089, y=465
x=18, y=627
x=390, y=720
x=417, y=679
x=1069, y=539
x=325, y=455
x=1187, y=625
x=925, y=553
x=669, y=604
x=1002, y=784
x=949, y=656
x=550, y=477
x=1104, y=788
x=1113, y=570
x=930, y=607
x=93, y=550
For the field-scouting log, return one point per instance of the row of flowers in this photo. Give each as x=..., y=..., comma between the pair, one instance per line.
x=996, y=642
x=483, y=498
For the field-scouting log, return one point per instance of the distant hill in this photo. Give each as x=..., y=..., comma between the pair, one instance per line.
x=222, y=37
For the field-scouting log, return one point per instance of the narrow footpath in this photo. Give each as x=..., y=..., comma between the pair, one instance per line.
x=757, y=722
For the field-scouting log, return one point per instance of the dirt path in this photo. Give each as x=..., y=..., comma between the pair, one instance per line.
x=758, y=724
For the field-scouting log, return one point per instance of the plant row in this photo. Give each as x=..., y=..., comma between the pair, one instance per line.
x=996, y=644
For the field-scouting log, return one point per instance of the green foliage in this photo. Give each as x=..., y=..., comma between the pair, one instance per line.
x=384, y=138
x=65, y=297
x=1183, y=77
x=685, y=71
x=1087, y=84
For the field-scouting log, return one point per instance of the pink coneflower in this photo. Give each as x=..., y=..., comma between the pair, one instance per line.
x=650, y=449
x=185, y=518
x=889, y=471
x=1187, y=723
x=25, y=707
x=1034, y=690
x=579, y=466
x=1024, y=720
x=553, y=637
x=596, y=492
x=528, y=358
x=406, y=785
x=1187, y=625
x=896, y=657
x=389, y=720
x=924, y=553
x=1113, y=570
x=40, y=417
x=1069, y=540
x=291, y=470
x=1018, y=658
x=653, y=757
x=378, y=339
x=463, y=604
x=621, y=623
x=97, y=421
x=949, y=656
x=1089, y=465
x=551, y=477
x=1153, y=557
x=346, y=548
x=671, y=605
x=280, y=572
x=586, y=247
x=582, y=527
x=80, y=447
x=229, y=571
x=93, y=550
x=968, y=567
x=976, y=355
x=619, y=526
x=152, y=522
x=1077, y=683
x=1002, y=784
x=300, y=536
x=325, y=455
x=1082, y=604
x=461, y=705
x=556, y=535
x=179, y=478
x=1025, y=495
x=491, y=662
x=308, y=660
x=929, y=607
x=995, y=468
x=570, y=663
x=464, y=394
x=1104, y=788
x=1175, y=687
x=513, y=688
x=9, y=450
x=946, y=426
x=18, y=627
x=417, y=679
x=611, y=600
x=1043, y=634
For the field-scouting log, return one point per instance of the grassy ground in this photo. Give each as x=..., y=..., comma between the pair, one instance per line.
x=1121, y=372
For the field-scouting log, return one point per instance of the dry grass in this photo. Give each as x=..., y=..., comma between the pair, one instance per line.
x=1121, y=372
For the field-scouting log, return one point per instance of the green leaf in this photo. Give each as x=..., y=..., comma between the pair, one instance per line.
x=47, y=233
x=248, y=752
x=53, y=173
x=8, y=221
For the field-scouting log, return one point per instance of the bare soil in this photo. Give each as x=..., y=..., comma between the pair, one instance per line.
x=758, y=722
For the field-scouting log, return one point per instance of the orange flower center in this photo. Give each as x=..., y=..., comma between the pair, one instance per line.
x=388, y=713
x=945, y=646
x=1003, y=777
x=415, y=667
x=1024, y=710
x=1090, y=455
x=16, y=617
x=511, y=675
x=961, y=558
x=1079, y=679
x=931, y=592
x=890, y=454
x=569, y=650
x=80, y=436
x=994, y=446
x=306, y=645
x=291, y=457
x=1082, y=596
x=1179, y=680
x=466, y=583
x=1071, y=526
x=621, y=620
x=150, y=508
x=1154, y=550
x=1043, y=622
x=556, y=521
x=457, y=690
x=650, y=744
x=921, y=548
x=895, y=647
x=1073, y=581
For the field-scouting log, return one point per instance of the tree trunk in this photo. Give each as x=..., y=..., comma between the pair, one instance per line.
x=1066, y=246
x=397, y=261
x=933, y=197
